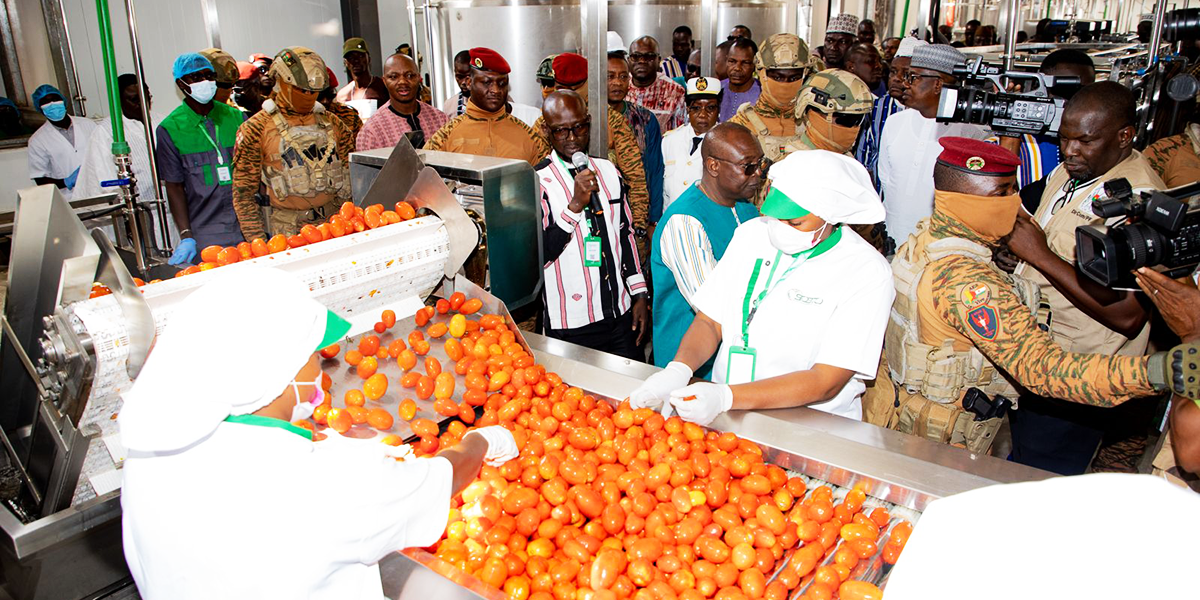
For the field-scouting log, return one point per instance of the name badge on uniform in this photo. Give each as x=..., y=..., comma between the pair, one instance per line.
x=224, y=177
x=741, y=364
x=591, y=251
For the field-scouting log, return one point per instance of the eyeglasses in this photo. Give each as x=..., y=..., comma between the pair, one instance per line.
x=847, y=119
x=911, y=77
x=643, y=56
x=580, y=130
x=761, y=165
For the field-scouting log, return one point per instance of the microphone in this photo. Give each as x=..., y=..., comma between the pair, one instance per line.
x=580, y=161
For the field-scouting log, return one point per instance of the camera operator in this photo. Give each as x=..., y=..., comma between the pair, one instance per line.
x=1178, y=301
x=1096, y=145
x=1039, y=153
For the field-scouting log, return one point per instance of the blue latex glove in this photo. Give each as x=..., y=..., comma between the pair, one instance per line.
x=70, y=180
x=185, y=252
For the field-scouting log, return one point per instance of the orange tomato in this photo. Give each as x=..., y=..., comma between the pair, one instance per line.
x=296, y=241
x=424, y=387
x=331, y=351
x=379, y=419
x=368, y=345
x=347, y=211
x=310, y=234
x=375, y=386
x=405, y=210
x=433, y=367
x=244, y=251
x=339, y=420
x=354, y=398
x=437, y=330
x=859, y=590
x=388, y=317
x=407, y=409
x=259, y=248
x=209, y=253
x=367, y=366
x=443, y=386
x=277, y=243
x=358, y=414
x=353, y=357
x=471, y=306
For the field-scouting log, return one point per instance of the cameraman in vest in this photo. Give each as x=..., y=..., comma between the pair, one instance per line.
x=294, y=149
x=960, y=327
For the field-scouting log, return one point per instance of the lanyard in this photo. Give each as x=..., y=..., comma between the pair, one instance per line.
x=259, y=421
x=220, y=155
x=750, y=307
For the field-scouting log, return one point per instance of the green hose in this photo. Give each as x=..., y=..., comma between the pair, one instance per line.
x=904, y=21
x=120, y=146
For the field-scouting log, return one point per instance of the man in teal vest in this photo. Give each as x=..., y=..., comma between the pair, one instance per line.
x=195, y=161
x=694, y=231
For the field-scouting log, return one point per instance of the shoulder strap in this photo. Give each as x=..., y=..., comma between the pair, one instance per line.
x=944, y=247
x=747, y=111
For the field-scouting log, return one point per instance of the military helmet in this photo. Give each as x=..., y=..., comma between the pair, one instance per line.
x=223, y=64
x=783, y=51
x=300, y=67
x=545, y=71
x=835, y=90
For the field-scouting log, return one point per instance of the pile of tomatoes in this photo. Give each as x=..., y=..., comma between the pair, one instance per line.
x=608, y=503
x=349, y=219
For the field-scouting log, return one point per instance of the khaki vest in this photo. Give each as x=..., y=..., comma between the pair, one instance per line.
x=774, y=146
x=1074, y=330
x=939, y=372
x=301, y=166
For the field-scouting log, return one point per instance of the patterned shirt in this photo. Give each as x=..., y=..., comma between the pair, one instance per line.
x=664, y=98
x=731, y=100
x=671, y=68
x=386, y=126
x=489, y=134
x=867, y=149
x=649, y=139
x=1177, y=158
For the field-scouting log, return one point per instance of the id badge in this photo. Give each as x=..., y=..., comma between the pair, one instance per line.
x=224, y=177
x=739, y=368
x=591, y=251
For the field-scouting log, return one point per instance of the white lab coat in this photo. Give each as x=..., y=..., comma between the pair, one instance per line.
x=681, y=166
x=51, y=155
x=831, y=310
x=1105, y=536
x=259, y=512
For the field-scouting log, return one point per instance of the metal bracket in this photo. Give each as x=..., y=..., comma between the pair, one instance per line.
x=431, y=192
x=138, y=318
x=397, y=176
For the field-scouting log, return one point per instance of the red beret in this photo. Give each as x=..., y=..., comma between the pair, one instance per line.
x=977, y=157
x=332, y=77
x=570, y=69
x=486, y=59
x=245, y=70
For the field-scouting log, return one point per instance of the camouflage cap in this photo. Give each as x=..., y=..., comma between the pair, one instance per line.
x=300, y=67
x=223, y=64
x=835, y=90
x=783, y=51
x=545, y=71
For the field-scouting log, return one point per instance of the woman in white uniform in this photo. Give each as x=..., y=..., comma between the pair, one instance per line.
x=225, y=498
x=796, y=308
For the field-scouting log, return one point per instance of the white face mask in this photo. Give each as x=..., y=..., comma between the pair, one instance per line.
x=304, y=409
x=790, y=240
x=203, y=91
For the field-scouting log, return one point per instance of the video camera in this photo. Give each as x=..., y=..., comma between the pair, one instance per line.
x=1031, y=110
x=1161, y=229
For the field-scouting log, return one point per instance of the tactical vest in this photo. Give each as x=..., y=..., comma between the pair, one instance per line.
x=940, y=373
x=774, y=146
x=310, y=167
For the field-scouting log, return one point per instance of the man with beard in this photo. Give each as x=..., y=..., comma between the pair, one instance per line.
x=741, y=87
x=867, y=149
x=403, y=112
x=595, y=293
x=293, y=149
x=486, y=127
x=651, y=89
x=783, y=62
x=363, y=85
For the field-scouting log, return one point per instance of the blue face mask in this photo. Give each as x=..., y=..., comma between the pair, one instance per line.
x=55, y=111
x=203, y=91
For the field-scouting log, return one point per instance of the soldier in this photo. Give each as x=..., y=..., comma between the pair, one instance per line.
x=959, y=325
x=295, y=150
x=782, y=64
x=832, y=107
x=226, y=69
x=545, y=75
x=486, y=127
x=1177, y=158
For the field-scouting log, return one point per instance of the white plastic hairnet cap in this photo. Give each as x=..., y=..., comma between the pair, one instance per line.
x=832, y=186
x=191, y=381
x=907, y=45
x=615, y=43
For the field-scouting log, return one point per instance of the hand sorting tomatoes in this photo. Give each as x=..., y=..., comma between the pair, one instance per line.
x=349, y=219
x=609, y=503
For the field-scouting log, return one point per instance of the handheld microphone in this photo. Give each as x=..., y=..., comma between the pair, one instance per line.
x=580, y=161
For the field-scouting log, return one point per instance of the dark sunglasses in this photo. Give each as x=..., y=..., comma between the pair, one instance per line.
x=643, y=56
x=762, y=165
x=847, y=119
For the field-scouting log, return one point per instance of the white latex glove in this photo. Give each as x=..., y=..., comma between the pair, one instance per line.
x=707, y=401
x=655, y=390
x=501, y=445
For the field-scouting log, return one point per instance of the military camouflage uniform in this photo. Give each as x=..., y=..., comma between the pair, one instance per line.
x=976, y=328
x=348, y=116
x=775, y=126
x=840, y=91
x=300, y=159
x=623, y=152
x=223, y=64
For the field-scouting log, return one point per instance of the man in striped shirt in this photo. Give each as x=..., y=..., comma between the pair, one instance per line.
x=675, y=65
x=652, y=89
x=867, y=148
x=595, y=294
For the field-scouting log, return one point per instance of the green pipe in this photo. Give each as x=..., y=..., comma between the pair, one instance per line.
x=1047, y=9
x=119, y=146
x=904, y=21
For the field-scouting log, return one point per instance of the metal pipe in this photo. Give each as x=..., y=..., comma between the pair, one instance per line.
x=438, y=84
x=1010, y=35
x=708, y=20
x=79, y=98
x=1160, y=10
x=593, y=32
x=148, y=126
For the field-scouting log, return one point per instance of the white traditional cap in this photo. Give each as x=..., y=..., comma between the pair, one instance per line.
x=843, y=23
x=907, y=45
x=1144, y=17
x=700, y=87
x=832, y=186
x=938, y=57
x=180, y=397
x=615, y=43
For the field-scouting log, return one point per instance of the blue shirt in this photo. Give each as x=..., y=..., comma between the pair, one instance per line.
x=867, y=148
x=731, y=100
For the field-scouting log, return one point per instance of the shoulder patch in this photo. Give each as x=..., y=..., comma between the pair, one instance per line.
x=974, y=295
x=984, y=322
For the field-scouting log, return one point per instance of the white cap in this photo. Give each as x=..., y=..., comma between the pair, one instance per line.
x=907, y=45
x=832, y=186
x=191, y=383
x=615, y=43
x=703, y=86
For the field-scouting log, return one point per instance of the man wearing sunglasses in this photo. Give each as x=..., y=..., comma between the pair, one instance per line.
x=595, y=294
x=782, y=63
x=695, y=230
x=909, y=145
x=650, y=88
